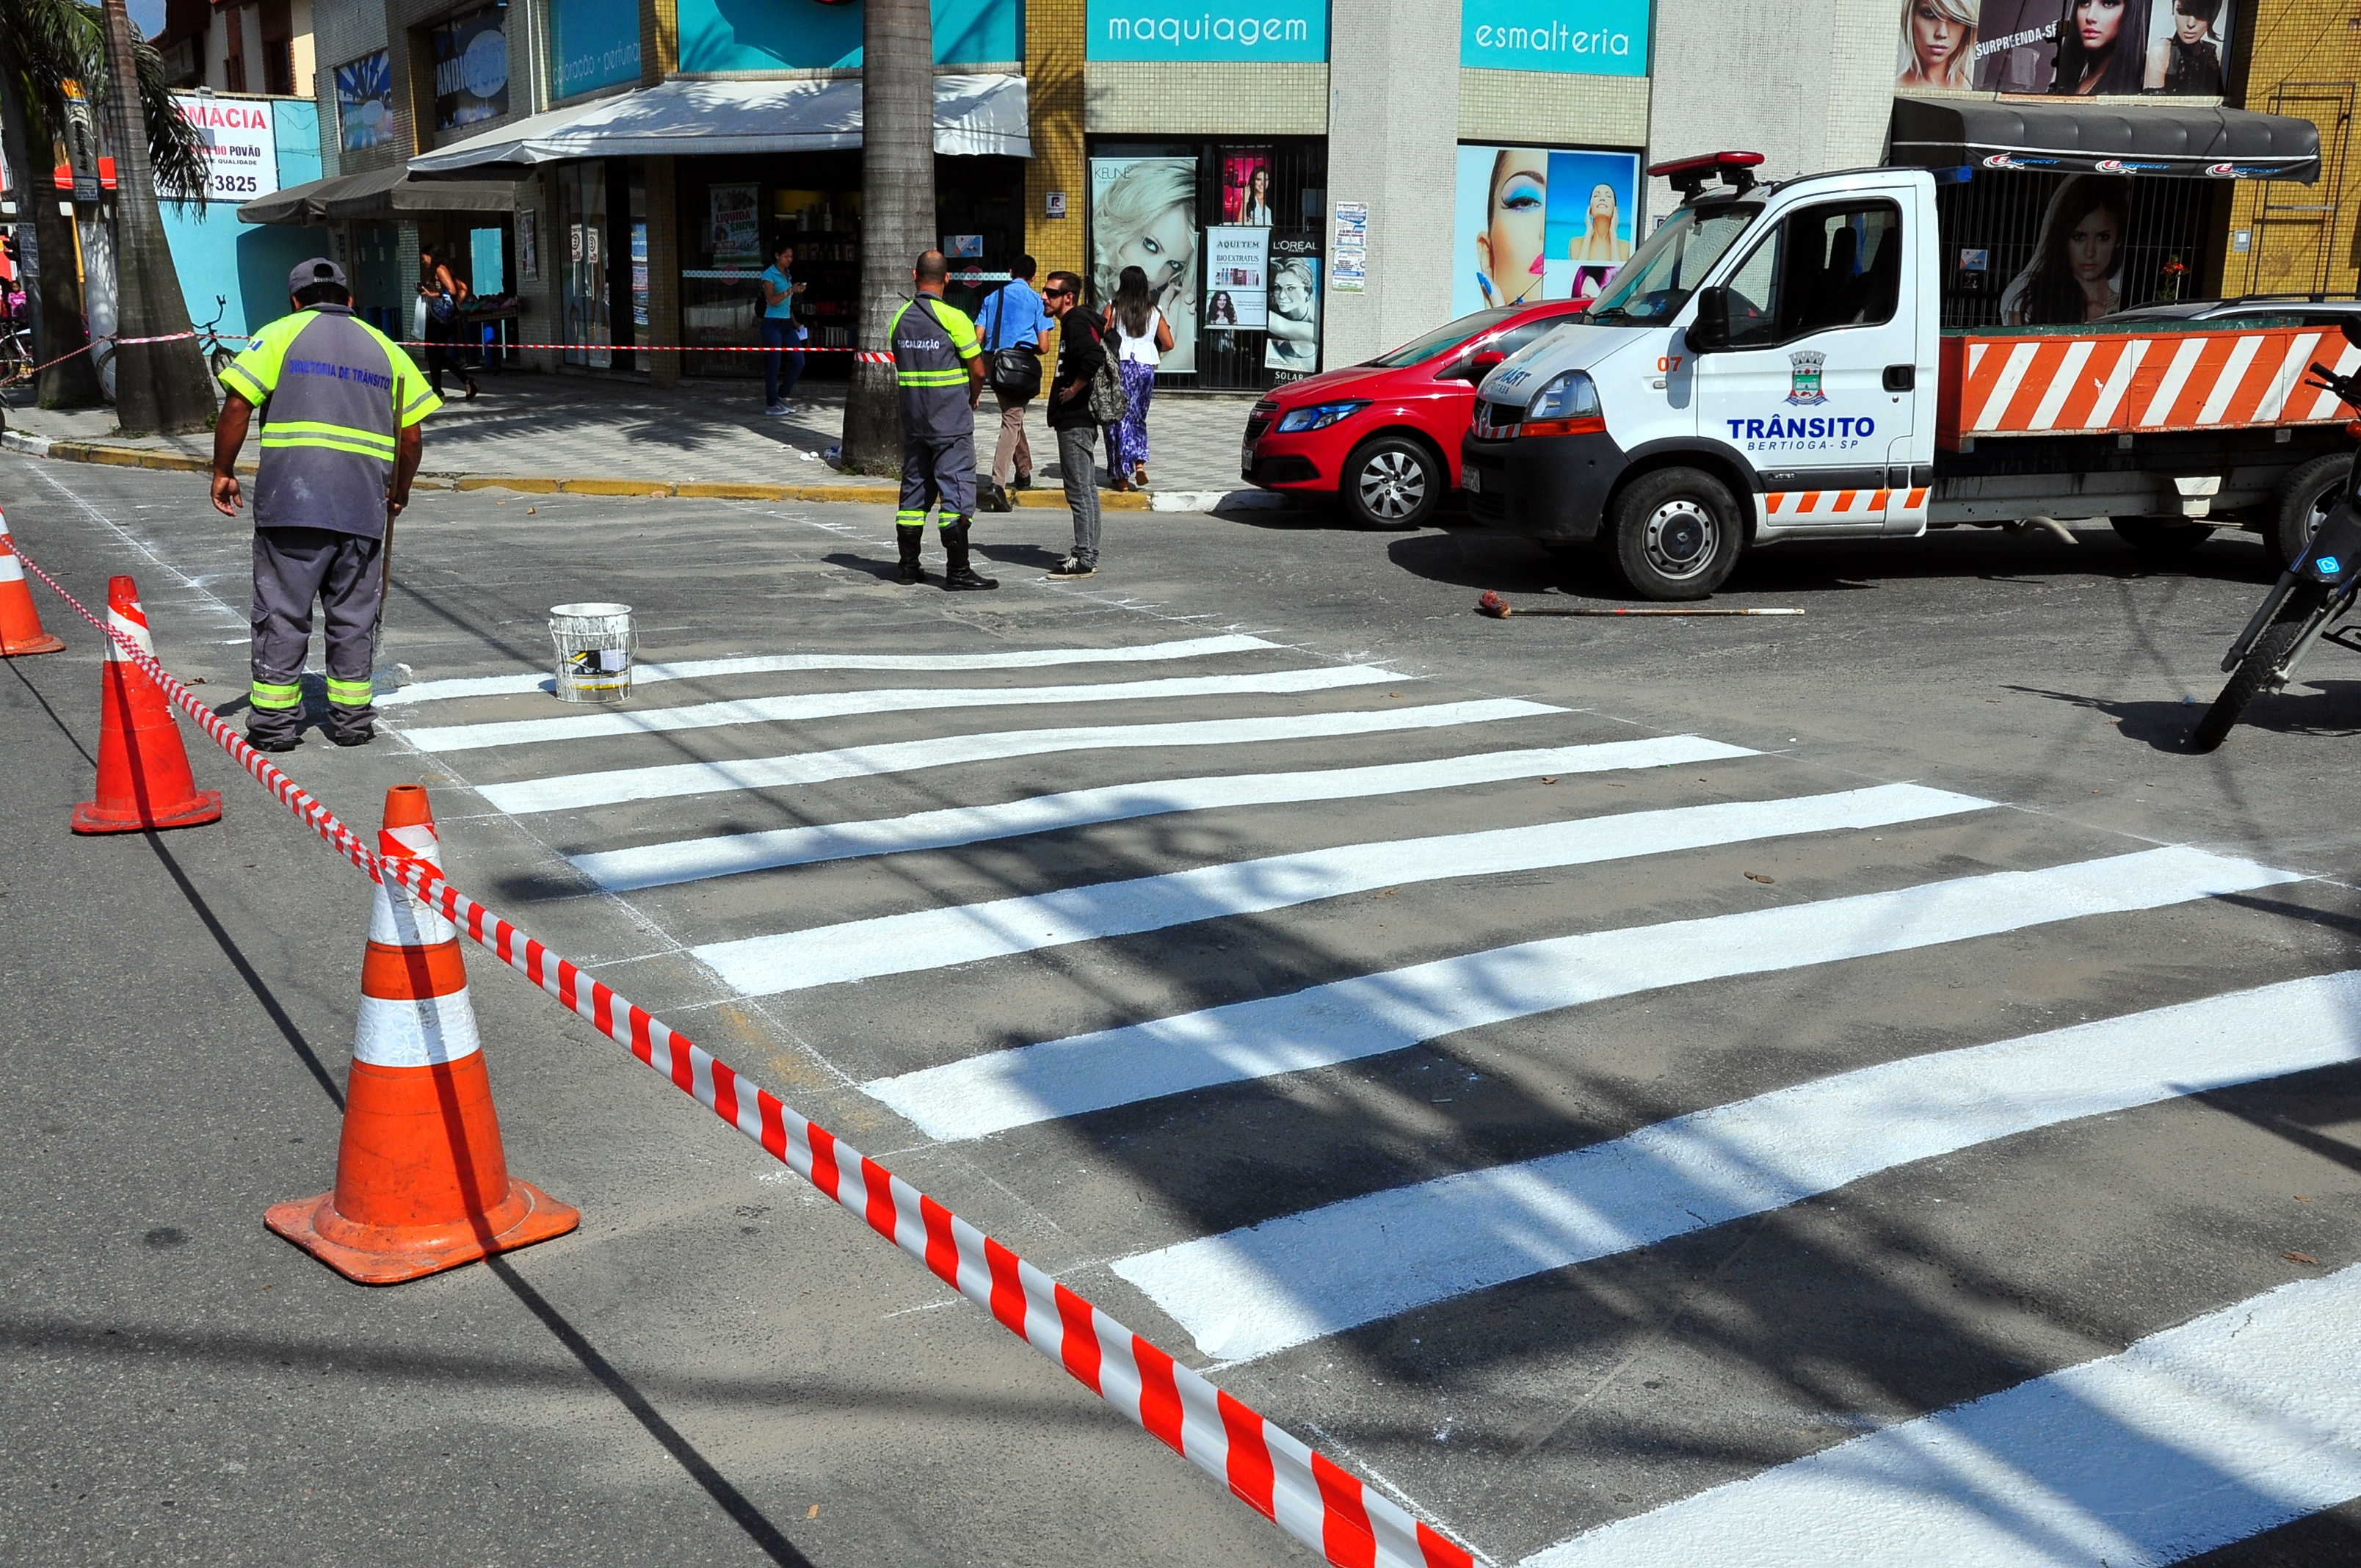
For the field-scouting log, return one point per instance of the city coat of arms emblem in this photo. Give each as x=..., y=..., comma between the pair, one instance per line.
x=1805, y=387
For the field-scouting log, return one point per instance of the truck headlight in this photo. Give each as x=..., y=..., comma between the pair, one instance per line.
x=1567, y=404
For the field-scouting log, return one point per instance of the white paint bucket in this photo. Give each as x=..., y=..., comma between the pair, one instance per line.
x=594, y=650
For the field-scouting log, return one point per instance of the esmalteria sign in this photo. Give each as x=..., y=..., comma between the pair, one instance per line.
x=241, y=151
x=1580, y=38
x=1265, y=30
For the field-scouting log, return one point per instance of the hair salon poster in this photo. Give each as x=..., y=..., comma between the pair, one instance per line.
x=1538, y=223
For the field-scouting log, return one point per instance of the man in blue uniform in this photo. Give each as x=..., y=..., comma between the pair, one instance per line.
x=341, y=409
x=939, y=367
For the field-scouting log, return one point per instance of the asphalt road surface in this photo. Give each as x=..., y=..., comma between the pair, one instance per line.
x=1844, y=1088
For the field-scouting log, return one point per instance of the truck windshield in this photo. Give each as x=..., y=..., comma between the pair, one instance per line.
x=1666, y=270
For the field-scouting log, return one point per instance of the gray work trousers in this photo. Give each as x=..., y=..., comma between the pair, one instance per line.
x=936, y=470
x=1012, y=454
x=294, y=566
x=1077, y=455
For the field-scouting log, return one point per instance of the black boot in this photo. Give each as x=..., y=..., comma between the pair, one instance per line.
x=909, y=536
x=956, y=573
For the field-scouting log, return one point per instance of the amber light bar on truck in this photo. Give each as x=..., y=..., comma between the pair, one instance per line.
x=1688, y=175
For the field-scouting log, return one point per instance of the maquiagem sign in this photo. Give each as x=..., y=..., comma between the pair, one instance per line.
x=1238, y=29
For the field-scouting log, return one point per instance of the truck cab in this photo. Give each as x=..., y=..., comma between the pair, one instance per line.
x=1764, y=366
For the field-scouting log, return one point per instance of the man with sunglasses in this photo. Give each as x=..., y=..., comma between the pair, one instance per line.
x=1080, y=355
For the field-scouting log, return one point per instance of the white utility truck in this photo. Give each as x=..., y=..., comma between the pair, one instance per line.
x=1769, y=365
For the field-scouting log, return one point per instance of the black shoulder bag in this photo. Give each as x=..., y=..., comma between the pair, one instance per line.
x=1014, y=372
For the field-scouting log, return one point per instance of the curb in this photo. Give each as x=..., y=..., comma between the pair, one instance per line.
x=110, y=455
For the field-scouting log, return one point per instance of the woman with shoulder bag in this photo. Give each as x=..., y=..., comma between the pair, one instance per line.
x=444, y=292
x=1142, y=337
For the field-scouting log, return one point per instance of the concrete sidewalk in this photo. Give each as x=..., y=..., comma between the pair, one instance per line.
x=599, y=434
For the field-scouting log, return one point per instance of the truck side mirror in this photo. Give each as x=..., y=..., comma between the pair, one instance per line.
x=1710, y=331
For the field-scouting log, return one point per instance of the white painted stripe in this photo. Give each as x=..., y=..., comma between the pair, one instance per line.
x=771, y=663
x=2119, y=385
x=2291, y=377
x=2061, y=385
x=2176, y=376
x=1254, y=1291
x=1975, y=355
x=1371, y=1015
x=937, y=939
x=571, y=792
x=2326, y=405
x=689, y=859
x=2188, y=1441
x=892, y=699
x=2012, y=375
x=423, y=1032
x=2232, y=376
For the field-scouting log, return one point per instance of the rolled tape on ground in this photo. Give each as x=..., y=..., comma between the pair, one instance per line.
x=1313, y=1499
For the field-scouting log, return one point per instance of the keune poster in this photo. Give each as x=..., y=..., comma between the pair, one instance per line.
x=2098, y=48
x=1537, y=223
x=1293, y=346
x=1245, y=186
x=1144, y=215
x=1237, y=261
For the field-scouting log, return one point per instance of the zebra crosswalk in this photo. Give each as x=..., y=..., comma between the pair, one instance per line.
x=1355, y=1060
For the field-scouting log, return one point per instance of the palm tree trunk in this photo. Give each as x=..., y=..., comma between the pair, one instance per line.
x=54, y=290
x=157, y=386
x=898, y=209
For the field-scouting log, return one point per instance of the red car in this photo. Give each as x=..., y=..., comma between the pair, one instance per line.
x=1384, y=437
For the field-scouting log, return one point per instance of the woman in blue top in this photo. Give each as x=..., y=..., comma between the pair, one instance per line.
x=780, y=329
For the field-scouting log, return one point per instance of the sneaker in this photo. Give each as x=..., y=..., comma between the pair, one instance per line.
x=1072, y=567
x=775, y=410
x=1022, y=482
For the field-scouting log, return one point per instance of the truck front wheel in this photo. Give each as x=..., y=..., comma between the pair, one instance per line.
x=2304, y=501
x=1676, y=534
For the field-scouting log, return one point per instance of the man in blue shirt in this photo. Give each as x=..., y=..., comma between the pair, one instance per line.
x=780, y=329
x=1011, y=318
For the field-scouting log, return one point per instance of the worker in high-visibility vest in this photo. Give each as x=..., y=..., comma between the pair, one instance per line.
x=938, y=370
x=341, y=409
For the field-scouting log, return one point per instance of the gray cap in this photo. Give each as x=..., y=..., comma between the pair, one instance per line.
x=319, y=269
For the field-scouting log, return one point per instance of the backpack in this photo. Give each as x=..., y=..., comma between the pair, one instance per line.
x=1108, y=400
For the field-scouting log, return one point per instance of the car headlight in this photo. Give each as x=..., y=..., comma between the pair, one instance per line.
x=1319, y=416
x=1567, y=404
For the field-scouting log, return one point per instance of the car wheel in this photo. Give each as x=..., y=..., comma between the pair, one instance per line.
x=1393, y=482
x=2305, y=501
x=1676, y=534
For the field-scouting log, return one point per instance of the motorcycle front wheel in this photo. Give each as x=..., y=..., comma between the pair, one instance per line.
x=2271, y=645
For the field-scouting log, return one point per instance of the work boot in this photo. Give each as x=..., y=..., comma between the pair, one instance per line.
x=910, y=536
x=956, y=575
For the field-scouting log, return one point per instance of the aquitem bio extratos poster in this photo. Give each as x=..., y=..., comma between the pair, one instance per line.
x=1535, y=224
x=1144, y=215
x=1237, y=262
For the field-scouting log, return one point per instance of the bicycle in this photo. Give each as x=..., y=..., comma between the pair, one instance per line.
x=217, y=353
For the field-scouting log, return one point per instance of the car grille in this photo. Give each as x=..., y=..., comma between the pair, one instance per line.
x=1496, y=421
x=1258, y=418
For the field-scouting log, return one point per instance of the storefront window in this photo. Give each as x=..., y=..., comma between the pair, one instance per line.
x=586, y=325
x=1229, y=234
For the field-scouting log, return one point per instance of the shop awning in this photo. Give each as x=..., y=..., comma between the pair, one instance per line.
x=972, y=114
x=377, y=193
x=2076, y=135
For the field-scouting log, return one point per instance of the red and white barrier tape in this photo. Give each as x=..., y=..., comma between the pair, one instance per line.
x=1277, y=1476
x=867, y=356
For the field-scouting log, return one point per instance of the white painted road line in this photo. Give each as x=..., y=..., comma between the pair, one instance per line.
x=889, y=699
x=770, y=663
x=2187, y=1442
x=1260, y=1290
x=571, y=792
x=690, y=859
x=1369, y=1015
x=936, y=939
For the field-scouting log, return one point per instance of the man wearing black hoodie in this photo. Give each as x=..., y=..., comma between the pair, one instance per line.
x=1080, y=355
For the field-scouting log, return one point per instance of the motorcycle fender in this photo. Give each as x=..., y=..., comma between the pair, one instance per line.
x=2335, y=556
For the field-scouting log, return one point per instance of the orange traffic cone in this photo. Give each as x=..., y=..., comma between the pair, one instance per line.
x=144, y=781
x=20, y=621
x=422, y=1181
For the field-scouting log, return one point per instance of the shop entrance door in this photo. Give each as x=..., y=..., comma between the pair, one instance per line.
x=587, y=296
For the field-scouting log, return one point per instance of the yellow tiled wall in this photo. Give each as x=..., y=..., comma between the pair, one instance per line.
x=2316, y=43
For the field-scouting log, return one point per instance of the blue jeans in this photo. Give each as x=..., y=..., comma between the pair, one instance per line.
x=778, y=332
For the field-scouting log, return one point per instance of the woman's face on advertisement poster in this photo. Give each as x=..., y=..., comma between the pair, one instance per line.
x=2091, y=248
x=1602, y=201
x=2100, y=22
x=1933, y=36
x=2192, y=29
x=1261, y=184
x=1162, y=250
x=1520, y=213
x=1288, y=295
